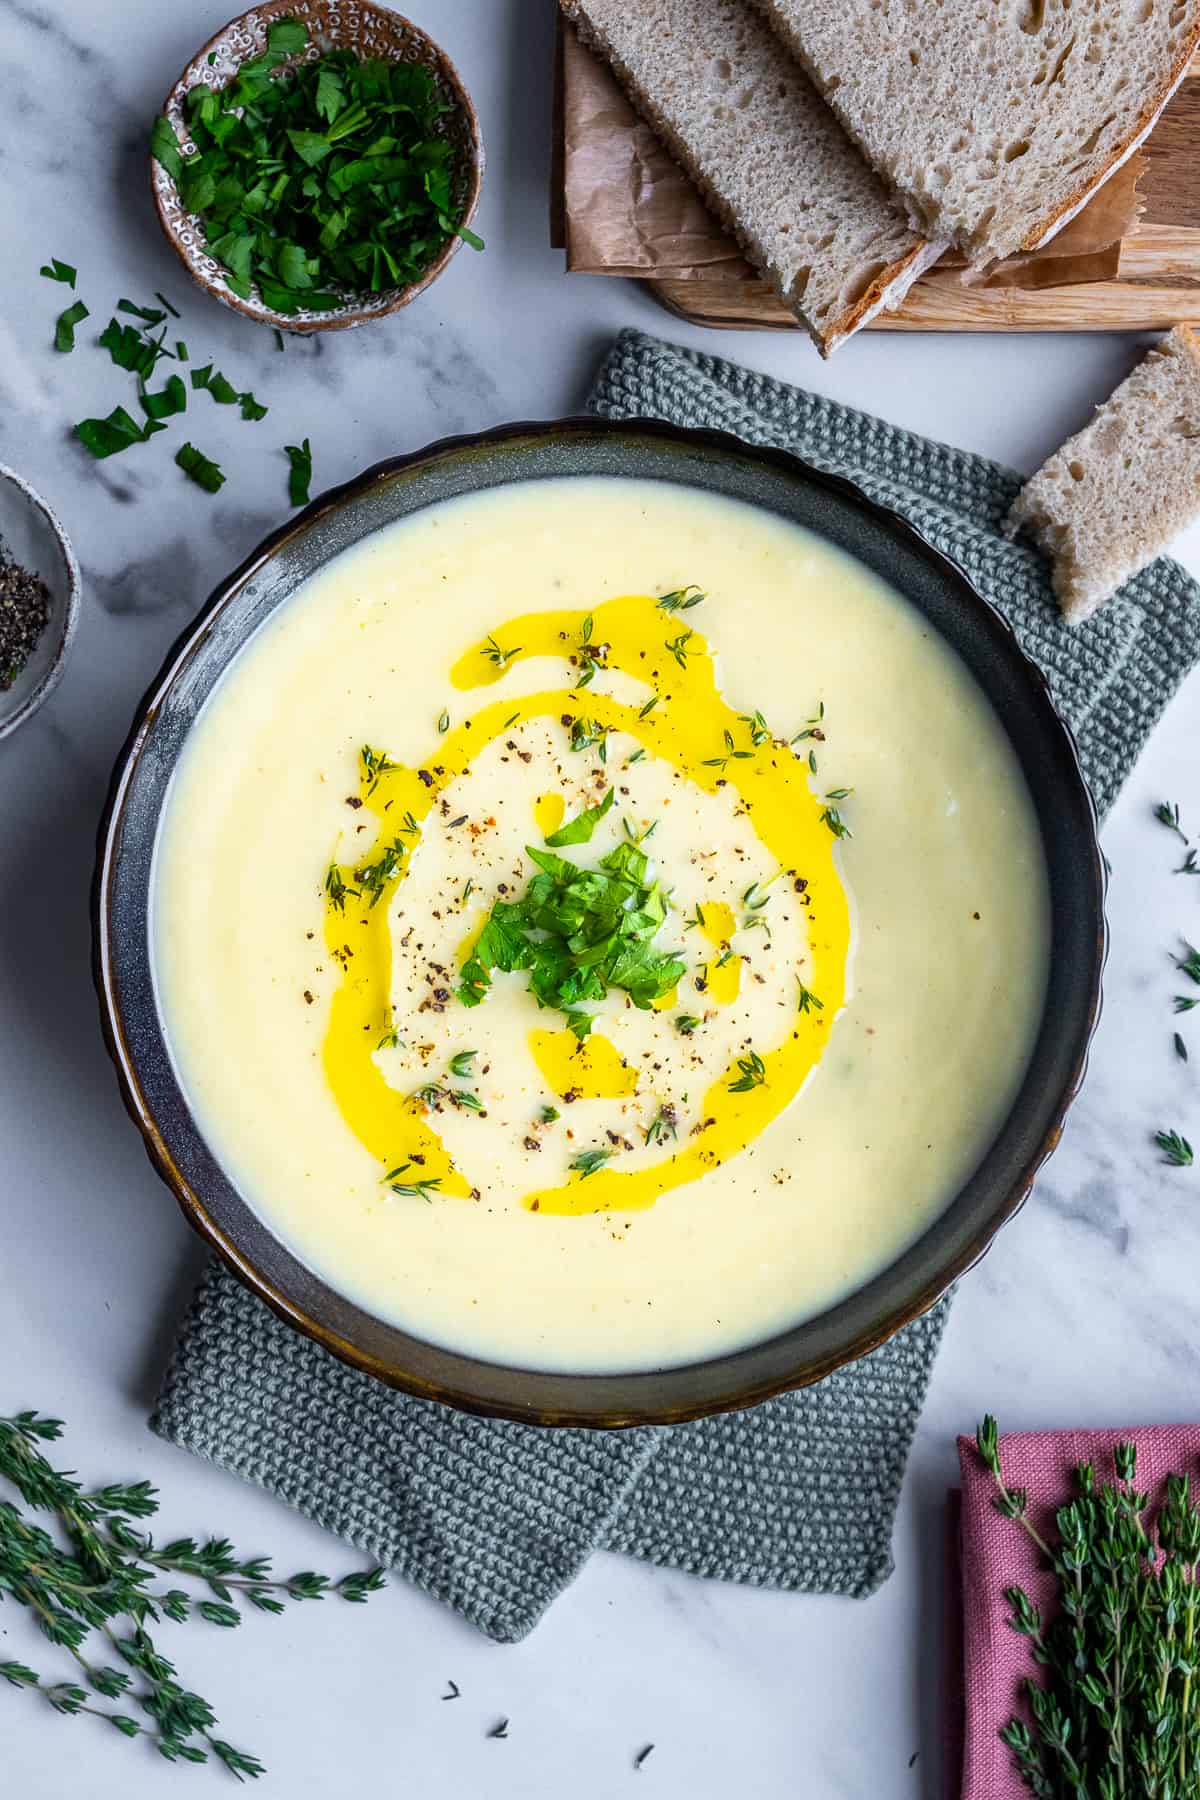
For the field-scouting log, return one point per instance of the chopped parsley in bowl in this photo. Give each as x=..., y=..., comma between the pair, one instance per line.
x=326, y=178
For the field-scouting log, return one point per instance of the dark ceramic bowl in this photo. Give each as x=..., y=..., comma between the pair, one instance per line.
x=647, y=451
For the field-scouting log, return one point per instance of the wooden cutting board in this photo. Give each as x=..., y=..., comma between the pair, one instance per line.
x=1157, y=284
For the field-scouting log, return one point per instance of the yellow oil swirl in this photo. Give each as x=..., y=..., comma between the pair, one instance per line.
x=688, y=716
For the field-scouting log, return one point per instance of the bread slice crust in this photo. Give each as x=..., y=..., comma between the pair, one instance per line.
x=1113, y=497
x=1150, y=115
x=952, y=153
x=727, y=33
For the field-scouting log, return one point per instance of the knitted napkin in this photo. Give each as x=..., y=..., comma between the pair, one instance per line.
x=800, y=1493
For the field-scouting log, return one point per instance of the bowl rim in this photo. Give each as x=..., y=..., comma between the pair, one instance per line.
x=551, y=1398
x=260, y=314
x=43, y=689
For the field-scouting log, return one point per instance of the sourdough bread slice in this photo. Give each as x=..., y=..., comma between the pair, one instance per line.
x=1115, y=495
x=766, y=152
x=994, y=120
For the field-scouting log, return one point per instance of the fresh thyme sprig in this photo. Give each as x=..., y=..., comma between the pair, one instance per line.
x=1189, y=962
x=588, y=1161
x=499, y=658
x=830, y=814
x=753, y=1073
x=1116, y=1714
x=1175, y=1149
x=411, y=1190
x=682, y=599
x=376, y=763
x=1168, y=815
x=678, y=646
x=105, y=1584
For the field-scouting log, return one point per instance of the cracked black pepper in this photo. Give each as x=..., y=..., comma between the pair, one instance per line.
x=24, y=613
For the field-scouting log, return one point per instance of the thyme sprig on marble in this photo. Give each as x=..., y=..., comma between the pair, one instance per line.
x=1117, y=1711
x=96, y=1583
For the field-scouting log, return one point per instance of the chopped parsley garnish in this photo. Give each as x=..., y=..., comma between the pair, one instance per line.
x=460, y=1065
x=300, y=471
x=197, y=466
x=130, y=348
x=55, y=270
x=1180, y=1048
x=686, y=1023
x=170, y=399
x=752, y=1074
x=588, y=1161
x=579, y=829
x=107, y=437
x=579, y=932
x=550, y=1114
x=64, y=330
x=339, y=179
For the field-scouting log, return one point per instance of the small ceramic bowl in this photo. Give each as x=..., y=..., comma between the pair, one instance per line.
x=357, y=25
x=32, y=537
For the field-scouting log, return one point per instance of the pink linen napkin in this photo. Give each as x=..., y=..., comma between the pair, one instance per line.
x=995, y=1553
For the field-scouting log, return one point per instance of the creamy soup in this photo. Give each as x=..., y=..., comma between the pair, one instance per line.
x=598, y=925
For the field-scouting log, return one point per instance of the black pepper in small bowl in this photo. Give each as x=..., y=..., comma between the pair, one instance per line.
x=24, y=615
x=39, y=600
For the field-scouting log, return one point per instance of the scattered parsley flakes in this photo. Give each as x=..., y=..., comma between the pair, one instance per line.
x=64, y=329
x=107, y=437
x=169, y=400
x=579, y=829
x=199, y=469
x=300, y=473
x=55, y=270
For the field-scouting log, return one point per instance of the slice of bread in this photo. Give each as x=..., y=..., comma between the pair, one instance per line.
x=1115, y=495
x=993, y=121
x=766, y=152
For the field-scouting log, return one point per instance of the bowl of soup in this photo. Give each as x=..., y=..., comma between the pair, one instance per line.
x=598, y=923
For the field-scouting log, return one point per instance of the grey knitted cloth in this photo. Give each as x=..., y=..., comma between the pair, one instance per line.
x=496, y=1519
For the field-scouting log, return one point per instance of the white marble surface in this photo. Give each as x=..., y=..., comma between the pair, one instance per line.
x=1086, y=1309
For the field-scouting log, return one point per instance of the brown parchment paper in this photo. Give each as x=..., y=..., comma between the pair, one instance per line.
x=621, y=206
